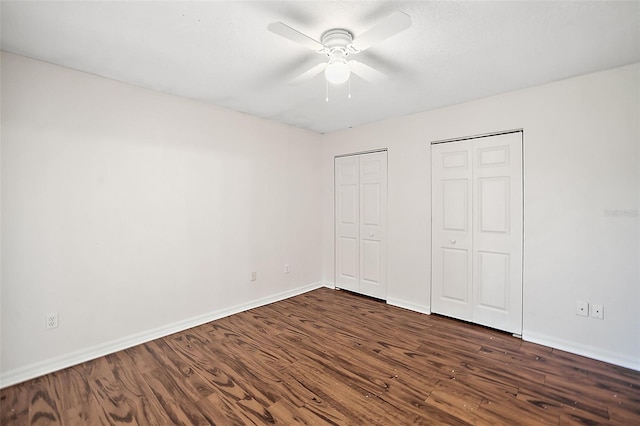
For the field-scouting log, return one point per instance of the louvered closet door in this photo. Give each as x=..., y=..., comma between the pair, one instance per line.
x=477, y=223
x=360, y=221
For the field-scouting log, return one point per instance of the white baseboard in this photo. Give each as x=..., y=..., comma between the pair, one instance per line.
x=409, y=305
x=34, y=370
x=328, y=284
x=584, y=350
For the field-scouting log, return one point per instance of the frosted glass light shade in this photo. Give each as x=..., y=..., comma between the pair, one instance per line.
x=337, y=72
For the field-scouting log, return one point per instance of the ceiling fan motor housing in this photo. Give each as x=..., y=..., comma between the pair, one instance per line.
x=337, y=41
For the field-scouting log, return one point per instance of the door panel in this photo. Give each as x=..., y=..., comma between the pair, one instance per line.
x=494, y=155
x=348, y=257
x=371, y=204
x=455, y=204
x=455, y=275
x=348, y=204
x=493, y=280
x=493, y=199
x=371, y=261
x=477, y=222
x=371, y=165
x=456, y=159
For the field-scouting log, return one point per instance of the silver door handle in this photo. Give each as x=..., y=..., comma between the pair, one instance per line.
x=452, y=241
x=372, y=234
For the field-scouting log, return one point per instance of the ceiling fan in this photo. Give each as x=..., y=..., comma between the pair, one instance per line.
x=337, y=44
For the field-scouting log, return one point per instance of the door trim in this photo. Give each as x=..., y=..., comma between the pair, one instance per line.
x=373, y=151
x=483, y=135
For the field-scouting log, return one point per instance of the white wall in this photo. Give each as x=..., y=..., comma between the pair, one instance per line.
x=134, y=213
x=582, y=157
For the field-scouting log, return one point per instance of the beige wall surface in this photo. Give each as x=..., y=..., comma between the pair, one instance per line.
x=132, y=213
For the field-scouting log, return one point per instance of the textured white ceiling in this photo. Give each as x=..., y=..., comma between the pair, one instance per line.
x=221, y=52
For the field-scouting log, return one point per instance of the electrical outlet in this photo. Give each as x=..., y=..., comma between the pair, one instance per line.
x=52, y=321
x=597, y=311
x=254, y=276
x=286, y=268
x=582, y=308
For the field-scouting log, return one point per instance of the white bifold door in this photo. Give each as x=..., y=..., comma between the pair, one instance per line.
x=477, y=221
x=361, y=223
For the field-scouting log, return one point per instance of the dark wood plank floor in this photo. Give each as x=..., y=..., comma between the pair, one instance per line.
x=331, y=357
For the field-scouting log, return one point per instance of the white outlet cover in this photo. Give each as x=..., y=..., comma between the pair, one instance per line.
x=597, y=311
x=51, y=321
x=582, y=308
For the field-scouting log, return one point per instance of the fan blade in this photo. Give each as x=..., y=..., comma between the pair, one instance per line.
x=366, y=72
x=309, y=74
x=296, y=36
x=392, y=25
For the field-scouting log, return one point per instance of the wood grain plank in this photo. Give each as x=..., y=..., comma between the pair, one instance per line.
x=145, y=407
x=14, y=404
x=457, y=404
x=177, y=405
x=566, y=397
x=109, y=391
x=514, y=411
x=227, y=372
x=349, y=398
x=45, y=401
x=79, y=404
x=284, y=413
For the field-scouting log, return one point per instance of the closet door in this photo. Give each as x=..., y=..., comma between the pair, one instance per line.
x=477, y=221
x=497, y=232
x=347, y=218
x=452, y=257
x=360, y=222
x=373, y=219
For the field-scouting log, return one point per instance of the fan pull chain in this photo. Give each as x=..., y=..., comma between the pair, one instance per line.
x=327, y=90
